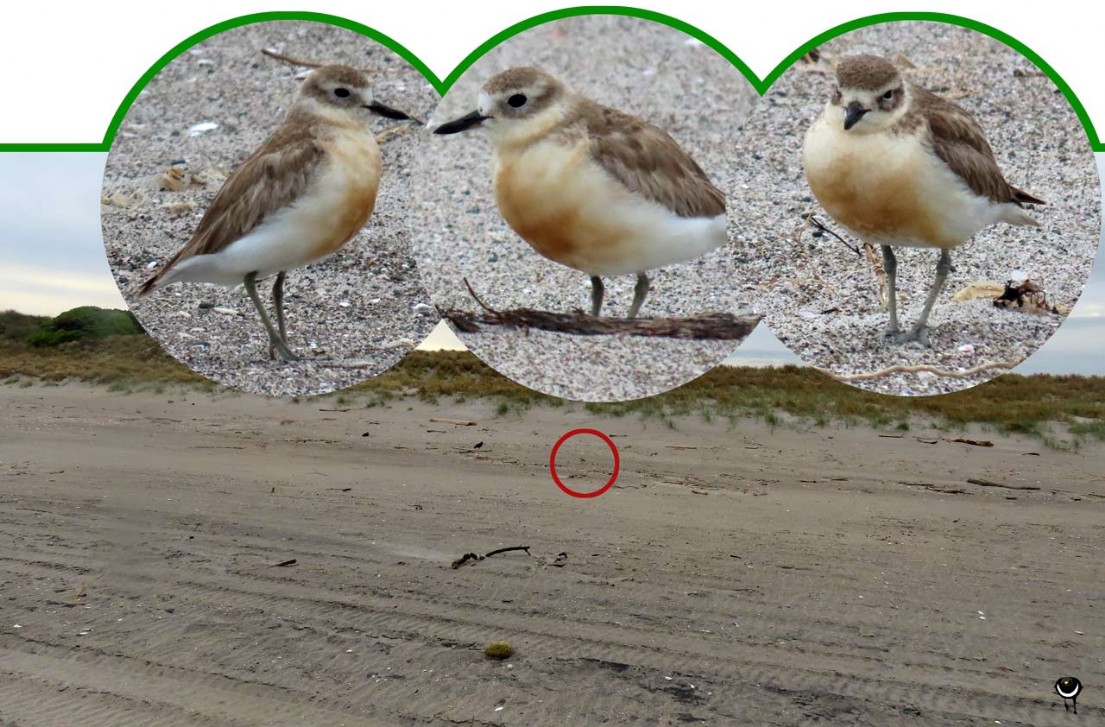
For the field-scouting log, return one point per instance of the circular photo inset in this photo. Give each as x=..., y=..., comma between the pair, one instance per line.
x=572, y=218
x=925, y=210
x=255, y=207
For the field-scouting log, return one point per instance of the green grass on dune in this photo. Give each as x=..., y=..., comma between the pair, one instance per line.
x=129, y=361
x=86, y=344
x=86, y=323
x=1059, y=410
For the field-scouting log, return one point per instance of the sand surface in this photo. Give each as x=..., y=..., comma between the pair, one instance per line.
x=732, y=576
x=821, y=300
x=350, y=316
x=645, y=69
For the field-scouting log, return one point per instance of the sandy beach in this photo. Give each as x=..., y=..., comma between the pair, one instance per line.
x=733, y=575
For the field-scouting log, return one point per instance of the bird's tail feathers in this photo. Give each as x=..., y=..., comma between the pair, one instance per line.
x=1016, y=216
x=1020, y=197
x=150, y=285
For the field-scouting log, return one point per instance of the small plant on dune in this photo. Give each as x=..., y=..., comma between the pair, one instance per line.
x=498, y=650
x=82, y=324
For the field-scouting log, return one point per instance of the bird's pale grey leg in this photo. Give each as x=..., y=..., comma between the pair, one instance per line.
x=919, y=332
x=597, y=291
x=890, y=267
x=275, y=341
x=278, y=303
x=639, y=293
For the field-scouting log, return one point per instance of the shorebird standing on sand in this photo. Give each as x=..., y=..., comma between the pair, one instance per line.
x=301, y=196
x=1069, y=688
x=900, y=166
x=591, y=187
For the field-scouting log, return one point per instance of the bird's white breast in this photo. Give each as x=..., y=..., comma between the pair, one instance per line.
x=891, y=188
x=333, y=207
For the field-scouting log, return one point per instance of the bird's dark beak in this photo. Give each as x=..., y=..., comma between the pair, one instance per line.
x=464, y=123
x=853, y=112
x=388, y=112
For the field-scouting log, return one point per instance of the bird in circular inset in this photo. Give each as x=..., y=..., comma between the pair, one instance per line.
x=591, y=187
x=900, y=166
x=299, y=198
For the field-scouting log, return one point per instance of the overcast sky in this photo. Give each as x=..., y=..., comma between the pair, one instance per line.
x=52, y=259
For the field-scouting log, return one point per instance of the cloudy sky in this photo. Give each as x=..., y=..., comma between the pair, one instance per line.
x=52, y=259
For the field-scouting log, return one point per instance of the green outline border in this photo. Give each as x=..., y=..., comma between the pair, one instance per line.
x=179, y=48
x=443, y=85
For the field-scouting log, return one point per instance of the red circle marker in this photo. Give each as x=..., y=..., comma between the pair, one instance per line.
x=565, y=438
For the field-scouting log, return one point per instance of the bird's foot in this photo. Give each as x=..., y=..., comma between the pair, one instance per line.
x=279, y=349
x=920, y=335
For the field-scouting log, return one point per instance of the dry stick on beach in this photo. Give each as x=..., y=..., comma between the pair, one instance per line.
x=272, y=53
x=473, y=557
x=808, y=221
x=880, y=273
x=820, y=228
x=922, y=368
x=458, y=422
x=712, y=326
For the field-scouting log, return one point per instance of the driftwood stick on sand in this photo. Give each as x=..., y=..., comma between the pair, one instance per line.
x=881, y=284
x=474, y=557
x=989, y=483
x=973, y=442
x=273, y=53
x=901, y=369
x=711, y=326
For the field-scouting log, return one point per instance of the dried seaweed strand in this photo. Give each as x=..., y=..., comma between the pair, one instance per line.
x=901, y=369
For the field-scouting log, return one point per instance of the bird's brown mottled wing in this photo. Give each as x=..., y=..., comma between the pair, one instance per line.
x=270, y=179
x=958, y=139
x=649, y=162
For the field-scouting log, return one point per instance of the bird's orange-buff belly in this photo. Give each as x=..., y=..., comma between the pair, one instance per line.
x=881, y=197
x=561, y=207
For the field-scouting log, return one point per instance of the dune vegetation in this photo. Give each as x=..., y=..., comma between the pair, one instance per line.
x=1064, y=411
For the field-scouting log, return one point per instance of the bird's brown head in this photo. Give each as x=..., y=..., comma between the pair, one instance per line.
x=870, y=93
x=342, y=91
x=513, y=102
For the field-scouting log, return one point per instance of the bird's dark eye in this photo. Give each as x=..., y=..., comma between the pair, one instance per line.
x=889, y=94
x=517, y=101
x=341, y=92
